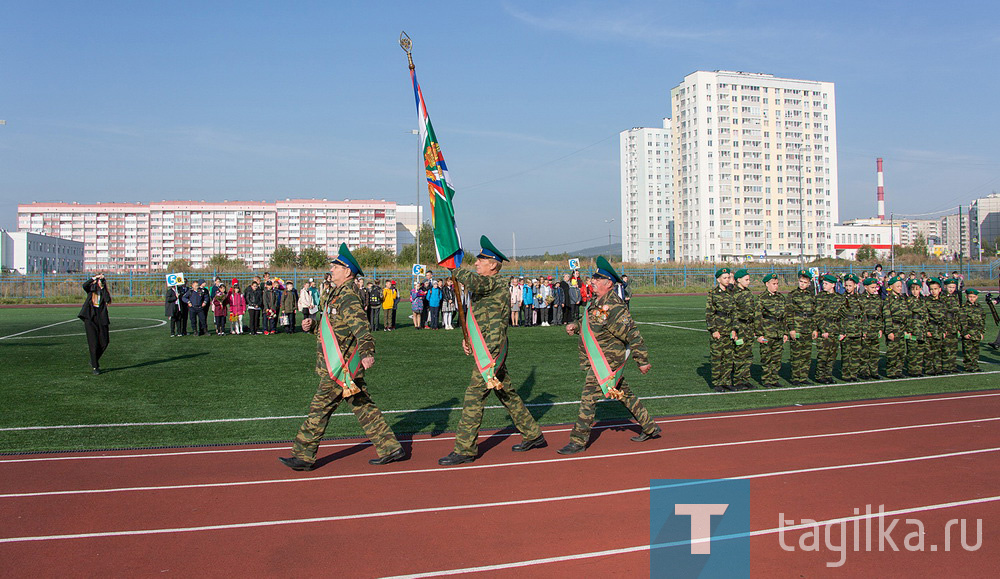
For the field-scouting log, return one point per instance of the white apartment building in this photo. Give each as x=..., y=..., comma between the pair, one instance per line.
x=27, y=253
x=647, y=203
x=956, y=235
x=408, y=220
x=850, y=236
x=909, y=229
x=755, y=166
x=984, y=216
x=115, y=235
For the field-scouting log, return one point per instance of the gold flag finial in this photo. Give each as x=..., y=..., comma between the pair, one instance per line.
x=407, y=46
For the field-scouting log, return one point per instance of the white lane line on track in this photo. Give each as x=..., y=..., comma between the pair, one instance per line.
x=640, y=548
x=470, y=506
x=549, y=430
x=490, y=466
x=159, y=323
x=36, y=329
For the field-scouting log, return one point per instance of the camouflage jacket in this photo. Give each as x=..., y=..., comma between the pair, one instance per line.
x=349, y=323
x=853, y=316
x=972, y=320
x=720, y=311
x=829, y=309
x=615, y=331
x=770, y=315
x=746, y=308
x=894, y=314
x=937, y=315
x=800, y=310
x=490, y=305
x=916, y=321
x=873, y=313
x=952, y=306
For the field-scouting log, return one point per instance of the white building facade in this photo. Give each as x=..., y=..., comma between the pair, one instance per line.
x=26, y=253
x=880, y=236
x=647, y=201
x=755, y=167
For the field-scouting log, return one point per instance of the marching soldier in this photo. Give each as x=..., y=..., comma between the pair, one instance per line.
x=345, y=350
x=743, y=344
x=772, y=330
x=872, y=303
x=949, y=346
x=487, y=320
x=894, y=312
x=828, y=325
x=607, y=336
x=851, y=348
x=973, y=324
x=720, y=318
x=801, y=305
x=916, y=329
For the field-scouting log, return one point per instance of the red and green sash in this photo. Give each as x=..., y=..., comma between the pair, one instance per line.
x=486, y=363
x=342, y=373
x=607, y=379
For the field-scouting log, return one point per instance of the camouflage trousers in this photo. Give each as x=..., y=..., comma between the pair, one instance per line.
x=895, y=355
x=770, y=359
x=934, y=347
x=472, y=412
x=742, y=359
x=851, y=357
x=722, y=352
x=800, y=356
x=916, y=350
x=970, y=348
x=949, y=352
x=870, y=355
x=328, y=396
x=588, y=409
x=826, y=355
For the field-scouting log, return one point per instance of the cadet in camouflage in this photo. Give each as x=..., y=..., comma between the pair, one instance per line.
x=916, y=332
x=772, y=331
x=746, y=305
x=973, y=328
x=937, y=328
x=720, y=319
x=949, y=345
x=801, y=305
x=894, y=312
x=349, y=323
x=491, y=307
x=853, y=329
x=829, y=308
x=617, y=336
x=872, y=303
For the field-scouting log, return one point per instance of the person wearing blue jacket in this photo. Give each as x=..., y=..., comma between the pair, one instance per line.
x=198, y=301
x=434, y=303
x=528, y=299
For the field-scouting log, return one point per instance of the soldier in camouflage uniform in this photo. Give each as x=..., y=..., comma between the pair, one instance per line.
x=491, y=309
x=720, y=318
x=973, y=328
x=916, y=329
x=953, y=305
x=853, y=316
x=746, y=305
x=801, y=305
x=342, y=307
x=616, y=335
x=937, y=328
x=872, y=303
x=772, y=331
x=894, y=312
x=829, y=309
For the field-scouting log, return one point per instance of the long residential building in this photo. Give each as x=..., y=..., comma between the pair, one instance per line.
x=134, y=236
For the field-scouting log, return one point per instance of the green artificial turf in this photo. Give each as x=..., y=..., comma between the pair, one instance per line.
x=151, y=377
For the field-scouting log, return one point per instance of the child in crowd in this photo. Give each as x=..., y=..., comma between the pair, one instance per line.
x=220, y=303
x=237, y=307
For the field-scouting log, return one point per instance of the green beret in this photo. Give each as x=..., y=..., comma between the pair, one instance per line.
x=720, y=272
x=934, y=281
x=869, y=281
x=972, y=291
x=829, y=278
x=913, y=282
x=894, y=279
x=805, y=273
x=852, y=277
x=740, y=273
x=951, y=280
x=604, y=270
x=769, y=277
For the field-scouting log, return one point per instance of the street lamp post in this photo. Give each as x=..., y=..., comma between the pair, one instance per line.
x=609, y=222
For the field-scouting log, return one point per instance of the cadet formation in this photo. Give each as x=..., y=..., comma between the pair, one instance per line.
x=922, y=334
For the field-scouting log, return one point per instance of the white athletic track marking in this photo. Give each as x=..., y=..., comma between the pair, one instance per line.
x=156, y=325
x=548, y=430
x=665, y=325
x=529, y=405
x=471, y=506
x=640, y=548
x=498, y=465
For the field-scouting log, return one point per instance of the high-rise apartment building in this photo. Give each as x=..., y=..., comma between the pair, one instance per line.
x=755, y=166
x=647, y=212
x=909, y=229
x=955, y=234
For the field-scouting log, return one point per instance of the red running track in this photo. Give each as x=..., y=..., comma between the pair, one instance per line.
x=237, y=511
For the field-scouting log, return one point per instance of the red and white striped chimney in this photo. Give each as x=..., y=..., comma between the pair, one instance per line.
x=881, y=190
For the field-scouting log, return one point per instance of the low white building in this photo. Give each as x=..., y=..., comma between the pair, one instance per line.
x=850, y=236
x=27, y=253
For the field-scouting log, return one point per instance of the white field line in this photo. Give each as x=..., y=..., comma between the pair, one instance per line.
x=473, y=506
x=547, y=430
x=36, y=329
x=665, y=325
x=628, y=454
x=159, y=323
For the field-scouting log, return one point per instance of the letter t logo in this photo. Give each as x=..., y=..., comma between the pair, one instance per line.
x=701, y=524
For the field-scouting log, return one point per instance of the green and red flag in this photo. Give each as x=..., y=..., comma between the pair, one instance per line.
x=447, y=243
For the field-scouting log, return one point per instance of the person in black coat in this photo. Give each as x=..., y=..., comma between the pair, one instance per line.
x=173, y=311
x=94, y=314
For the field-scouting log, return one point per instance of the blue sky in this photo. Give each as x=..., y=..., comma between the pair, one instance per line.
x=143, y=101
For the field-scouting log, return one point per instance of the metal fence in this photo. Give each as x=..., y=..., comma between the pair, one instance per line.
x=141, y=286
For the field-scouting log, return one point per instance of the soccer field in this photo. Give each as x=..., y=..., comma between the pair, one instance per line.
x=163, y=391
